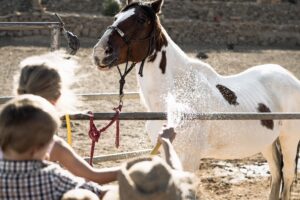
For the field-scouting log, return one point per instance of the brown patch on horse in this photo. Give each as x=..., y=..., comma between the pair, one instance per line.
x=228, y=94
x=263, y=109
x=163, y=62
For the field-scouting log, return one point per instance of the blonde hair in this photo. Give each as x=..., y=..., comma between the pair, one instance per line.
x=27, y=121
x=50, y=76
x=40, y=80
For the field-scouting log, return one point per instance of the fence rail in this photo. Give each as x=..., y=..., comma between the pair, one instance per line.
x=12, y=26
x=107, y=96
x=55, y=28
x=91, y=96
x=187, y=116
x=118, y=156
x=163, y=115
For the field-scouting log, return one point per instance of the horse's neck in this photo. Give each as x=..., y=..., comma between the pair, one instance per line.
x=156, y=82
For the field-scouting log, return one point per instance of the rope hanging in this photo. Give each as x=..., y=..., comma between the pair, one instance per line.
x=94, y=134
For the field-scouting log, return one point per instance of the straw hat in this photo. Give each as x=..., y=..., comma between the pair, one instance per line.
x=153, y=179
x=79, y=194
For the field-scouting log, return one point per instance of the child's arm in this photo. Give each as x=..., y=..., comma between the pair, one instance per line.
x=165, y=138
x=65, y=155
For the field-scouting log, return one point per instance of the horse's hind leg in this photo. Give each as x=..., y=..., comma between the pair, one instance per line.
x=273, y=156
x=289, y=149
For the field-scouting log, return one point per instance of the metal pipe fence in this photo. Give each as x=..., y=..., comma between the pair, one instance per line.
x=163, y=115
x=55, y=28
x=91, y=96
x=188, y=116
x=119, y=156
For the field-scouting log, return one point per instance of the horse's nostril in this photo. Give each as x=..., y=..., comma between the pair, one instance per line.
x=97, y=60
x=108, y=50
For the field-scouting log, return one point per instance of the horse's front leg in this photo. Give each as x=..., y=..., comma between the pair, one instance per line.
x=273, y=156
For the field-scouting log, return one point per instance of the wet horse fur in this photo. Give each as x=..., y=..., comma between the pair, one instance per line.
x=263, y=88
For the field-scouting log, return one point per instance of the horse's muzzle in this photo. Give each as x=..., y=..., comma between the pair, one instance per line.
x=104, y=57
x=106, y=62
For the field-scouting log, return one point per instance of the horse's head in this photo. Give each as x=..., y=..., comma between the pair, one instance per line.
x=131, y=37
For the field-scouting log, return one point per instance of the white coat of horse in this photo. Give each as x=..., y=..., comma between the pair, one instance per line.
x=137, y=36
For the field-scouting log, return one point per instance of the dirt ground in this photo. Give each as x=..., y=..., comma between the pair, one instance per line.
x=233, y=180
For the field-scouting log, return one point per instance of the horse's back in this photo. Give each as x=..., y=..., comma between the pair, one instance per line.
x=271, y=83
x=264, y=88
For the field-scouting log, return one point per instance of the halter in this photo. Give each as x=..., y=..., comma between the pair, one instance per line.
x=94, y=134
x=128, y=42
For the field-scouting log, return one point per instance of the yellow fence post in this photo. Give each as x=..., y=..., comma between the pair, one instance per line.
x=69, y=132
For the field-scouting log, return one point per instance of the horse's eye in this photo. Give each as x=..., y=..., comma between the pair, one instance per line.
x=115, y=18
x=141, y=20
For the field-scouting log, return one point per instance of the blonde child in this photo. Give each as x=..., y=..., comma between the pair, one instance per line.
x=27, y=126
x=51, y=76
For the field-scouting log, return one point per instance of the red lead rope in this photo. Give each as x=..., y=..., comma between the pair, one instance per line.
x=94, y=134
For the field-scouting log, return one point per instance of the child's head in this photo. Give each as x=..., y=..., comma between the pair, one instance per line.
x=49, y=76
x=27, y=122
x=40, y=79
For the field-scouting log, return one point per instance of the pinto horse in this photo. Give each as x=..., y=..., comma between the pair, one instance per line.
x=137, y=36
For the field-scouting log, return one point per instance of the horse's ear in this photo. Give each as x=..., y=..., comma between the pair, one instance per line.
x=128, y=2
x=156, y=5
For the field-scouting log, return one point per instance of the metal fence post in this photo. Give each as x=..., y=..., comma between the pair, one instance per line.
x=55, y=36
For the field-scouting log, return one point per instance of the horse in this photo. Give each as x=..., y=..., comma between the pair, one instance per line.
x=137, y=36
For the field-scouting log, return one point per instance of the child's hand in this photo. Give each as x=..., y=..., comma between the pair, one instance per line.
x=166, y=133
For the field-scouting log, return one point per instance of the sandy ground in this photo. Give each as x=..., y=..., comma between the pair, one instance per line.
x=239, y=179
